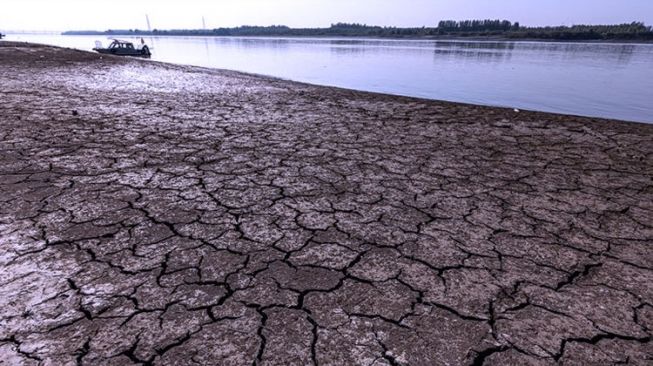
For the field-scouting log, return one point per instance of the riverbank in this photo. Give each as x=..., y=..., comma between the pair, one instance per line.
x=154, y=213
x=468, y=28
x=460, y=38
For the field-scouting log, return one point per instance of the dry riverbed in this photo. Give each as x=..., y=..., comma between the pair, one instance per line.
x=161, y=214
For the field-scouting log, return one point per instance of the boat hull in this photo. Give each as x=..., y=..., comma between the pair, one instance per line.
x=135, y=53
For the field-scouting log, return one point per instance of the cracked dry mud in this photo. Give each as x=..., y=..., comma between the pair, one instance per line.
x=160, y=214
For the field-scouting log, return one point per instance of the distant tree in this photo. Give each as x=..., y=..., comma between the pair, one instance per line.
x=463, y=28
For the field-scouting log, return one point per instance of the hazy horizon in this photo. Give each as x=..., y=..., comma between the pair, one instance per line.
x=49, y=15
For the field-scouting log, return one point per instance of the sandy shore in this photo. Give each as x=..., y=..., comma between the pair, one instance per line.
x=161, y=214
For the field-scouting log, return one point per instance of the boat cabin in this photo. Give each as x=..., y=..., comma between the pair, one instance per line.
x=124, y=48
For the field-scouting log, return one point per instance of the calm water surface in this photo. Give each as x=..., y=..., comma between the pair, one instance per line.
x=591, y=79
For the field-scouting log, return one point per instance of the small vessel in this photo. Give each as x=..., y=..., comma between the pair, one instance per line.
x=124, y=48
x=1, y=35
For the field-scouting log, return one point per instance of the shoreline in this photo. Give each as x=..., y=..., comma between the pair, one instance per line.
x=156, y=213
x=30, y=44
x=406, y=38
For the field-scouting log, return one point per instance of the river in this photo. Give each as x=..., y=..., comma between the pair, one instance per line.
x=609, y=80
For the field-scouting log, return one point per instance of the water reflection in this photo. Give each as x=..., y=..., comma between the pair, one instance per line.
x=248, y=43
x=476, y=45
x=601, y=52
x=478, y=51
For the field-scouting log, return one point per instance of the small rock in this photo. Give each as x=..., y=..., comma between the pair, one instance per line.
x=75, y=113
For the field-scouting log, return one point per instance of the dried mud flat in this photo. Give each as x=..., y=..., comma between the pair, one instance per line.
x=160, y=214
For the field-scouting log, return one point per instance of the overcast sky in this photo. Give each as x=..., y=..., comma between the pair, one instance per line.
x=165, y=14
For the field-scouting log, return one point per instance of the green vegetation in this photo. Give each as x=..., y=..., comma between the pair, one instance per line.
x=446, y=28
x=466, y=26
x=632, y=31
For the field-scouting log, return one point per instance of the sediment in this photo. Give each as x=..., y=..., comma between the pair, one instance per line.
x=157, y=214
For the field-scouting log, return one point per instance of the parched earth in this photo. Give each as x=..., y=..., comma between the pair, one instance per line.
x=167, y=215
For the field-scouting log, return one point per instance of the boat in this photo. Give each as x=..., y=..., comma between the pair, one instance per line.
x=1, y=35
x=124, y=48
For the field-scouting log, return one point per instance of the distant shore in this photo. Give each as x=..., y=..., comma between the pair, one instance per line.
x=481, y=29
x=153, y=213
x=407, y=38
x=361, y=37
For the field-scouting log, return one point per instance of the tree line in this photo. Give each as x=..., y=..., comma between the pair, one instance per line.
x=629, y=31
x=465, y=28
x=488, y=25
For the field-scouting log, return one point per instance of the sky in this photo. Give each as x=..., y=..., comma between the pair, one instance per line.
x=54, y=15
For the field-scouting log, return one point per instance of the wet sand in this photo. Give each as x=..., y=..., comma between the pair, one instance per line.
x=162, y=214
